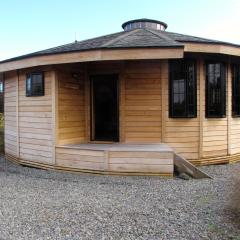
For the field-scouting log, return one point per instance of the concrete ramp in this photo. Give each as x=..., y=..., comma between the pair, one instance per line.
x=181, y=165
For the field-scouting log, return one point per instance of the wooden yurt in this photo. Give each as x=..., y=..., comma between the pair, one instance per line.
x=124, y=103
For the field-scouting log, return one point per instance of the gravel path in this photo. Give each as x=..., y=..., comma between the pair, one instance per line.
x=37, y=204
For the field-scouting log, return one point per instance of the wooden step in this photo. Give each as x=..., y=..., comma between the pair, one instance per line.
x=181, y=165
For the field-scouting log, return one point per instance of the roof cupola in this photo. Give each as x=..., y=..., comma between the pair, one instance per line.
x=144, y=23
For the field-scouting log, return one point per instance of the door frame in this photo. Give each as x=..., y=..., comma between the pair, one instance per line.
x=91, y=106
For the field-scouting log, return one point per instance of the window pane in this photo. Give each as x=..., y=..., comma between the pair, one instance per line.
x=215, y=90
x=35, y=85
x=1, y=87
x=182, y=89
x=28, y=85
x=236, y=90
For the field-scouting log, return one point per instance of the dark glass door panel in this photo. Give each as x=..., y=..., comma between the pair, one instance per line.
x=105, y=116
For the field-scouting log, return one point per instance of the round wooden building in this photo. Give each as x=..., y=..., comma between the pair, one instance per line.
x=124, y=103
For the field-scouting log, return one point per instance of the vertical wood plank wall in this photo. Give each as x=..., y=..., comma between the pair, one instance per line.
x=10, y=114
x=35, y=122
x=142, y=102
x=71, y=109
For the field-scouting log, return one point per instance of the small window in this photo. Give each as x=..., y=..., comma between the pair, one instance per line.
x=35, y=84
x=182, y=89
x=236, y=90
x=1, y=83
x=1, y=87
x=215, y=90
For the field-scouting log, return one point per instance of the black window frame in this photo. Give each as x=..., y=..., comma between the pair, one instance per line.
x=190, y=106
x=235, y=68
x=223, y=80
x=31, y=92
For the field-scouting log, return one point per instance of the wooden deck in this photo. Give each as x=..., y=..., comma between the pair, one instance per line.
x=121, y=147
x=116, y=159
x=155, y=159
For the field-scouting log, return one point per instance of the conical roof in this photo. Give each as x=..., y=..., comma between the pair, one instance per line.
x=135, y=38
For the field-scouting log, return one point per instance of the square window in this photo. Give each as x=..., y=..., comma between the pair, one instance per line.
x=35, y=84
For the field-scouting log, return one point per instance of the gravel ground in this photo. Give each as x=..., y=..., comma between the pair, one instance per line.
x=37, y=204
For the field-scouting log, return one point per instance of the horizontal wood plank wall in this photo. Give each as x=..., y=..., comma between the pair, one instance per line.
x=71, y=109
x=10, y=113
x=235, y=135
x=131, y=161
x=181, y=134
x=215, y=139
x=215, y=131
x=35, y=122
x=143, y=102
x=150, y=162
x=82, y=159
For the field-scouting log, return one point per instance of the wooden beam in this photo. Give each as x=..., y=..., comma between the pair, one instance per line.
x=122, y=109
x=87, y=102
x=93, y=55
x=201, y=104
x=229, y=105
x=54, y=88
x=17, y=113
x=211, y=48
x=164, y=88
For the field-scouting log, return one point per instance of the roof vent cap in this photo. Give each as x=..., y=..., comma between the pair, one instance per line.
x=144, y=23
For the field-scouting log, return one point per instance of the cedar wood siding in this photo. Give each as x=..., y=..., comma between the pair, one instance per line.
x=143, y=102
x=144, y=116
x=71, y=109
x=28, y=122
x=182, y=134
x=11, y=114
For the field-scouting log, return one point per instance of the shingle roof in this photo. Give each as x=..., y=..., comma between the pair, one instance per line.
x=187, y=38
x=141, y=38
x=137, y=38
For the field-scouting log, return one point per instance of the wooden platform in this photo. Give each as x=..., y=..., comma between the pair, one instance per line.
x=109, y=159
x=119, y=158
x=120, y=147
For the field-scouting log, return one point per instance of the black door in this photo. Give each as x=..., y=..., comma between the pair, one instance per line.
x=104, y=112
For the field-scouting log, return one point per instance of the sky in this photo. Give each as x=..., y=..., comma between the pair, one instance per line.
x=31, y=25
